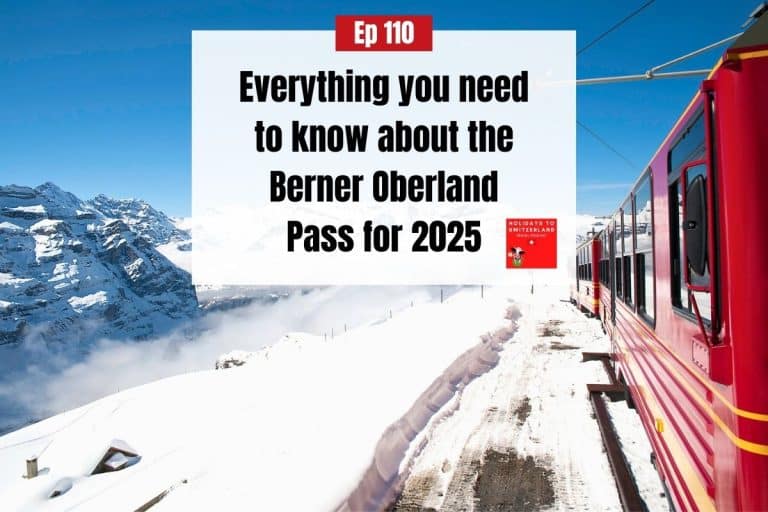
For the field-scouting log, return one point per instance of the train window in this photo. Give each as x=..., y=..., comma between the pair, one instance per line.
x=581, y=266
x=586, y=262
x=690, y=147
x=601, y=268
x=618, y=239
x=578, y=264
x=627, y=278
x=578, y=269
x=604, y=262
x=627, y=234
x=644, y=248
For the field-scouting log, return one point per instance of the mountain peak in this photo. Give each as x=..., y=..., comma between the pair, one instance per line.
x=141, y=218
x=103, y=198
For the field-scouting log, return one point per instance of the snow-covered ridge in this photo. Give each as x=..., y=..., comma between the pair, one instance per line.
x=141, y=218
x=73, y=271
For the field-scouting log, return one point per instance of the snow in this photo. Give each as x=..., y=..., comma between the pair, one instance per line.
x=177, y=254
x=109, y=242
x=10, y=227
x=47, y=247
x=119, y=460
x=61, y=487
x=637, y=450
x=5, y=305
x=35, y=209
x=121, y=445
x=133, y=269
x=46, y=226
x=558, y=431
x=293, y=409
x=183, y=223
x=8, y=279
x=64, y=270
x=232, y=359
x=81, y=303
x=299, y=425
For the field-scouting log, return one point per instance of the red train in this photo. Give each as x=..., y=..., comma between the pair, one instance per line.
x=681, y=272
x=586, y=294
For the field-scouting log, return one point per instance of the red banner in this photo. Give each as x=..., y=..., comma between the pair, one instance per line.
x=384, y=33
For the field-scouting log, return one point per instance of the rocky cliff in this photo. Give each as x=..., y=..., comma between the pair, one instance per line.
x=74, y=271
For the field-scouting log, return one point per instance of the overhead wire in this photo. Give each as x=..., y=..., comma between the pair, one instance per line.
x=589, y=45
x=615, y=26
x=606, y=144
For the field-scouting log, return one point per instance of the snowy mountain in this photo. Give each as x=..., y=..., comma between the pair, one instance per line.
x=142, y=219
x=587, y=224
x=75, y=271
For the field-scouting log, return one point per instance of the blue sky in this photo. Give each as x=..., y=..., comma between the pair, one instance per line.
x=94, y=96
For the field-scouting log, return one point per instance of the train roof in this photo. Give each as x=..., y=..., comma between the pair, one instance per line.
x=757, y=33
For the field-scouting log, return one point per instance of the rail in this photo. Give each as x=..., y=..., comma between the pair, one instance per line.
x=629, y=495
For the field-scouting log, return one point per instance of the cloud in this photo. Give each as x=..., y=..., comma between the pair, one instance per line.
x=40, y=381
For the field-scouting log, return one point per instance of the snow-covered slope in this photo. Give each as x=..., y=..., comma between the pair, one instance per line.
x=320, y=423
x=73, y=271
x=293, y=429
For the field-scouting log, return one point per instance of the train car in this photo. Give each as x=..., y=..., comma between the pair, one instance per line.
x=684, y=276
x=585, y=295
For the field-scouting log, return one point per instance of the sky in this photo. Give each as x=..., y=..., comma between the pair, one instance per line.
x=95, y=96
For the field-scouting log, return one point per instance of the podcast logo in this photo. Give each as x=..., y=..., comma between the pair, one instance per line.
x=531, y=243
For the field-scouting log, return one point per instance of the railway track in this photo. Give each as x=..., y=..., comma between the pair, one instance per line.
x=629, y=495
x=508, y=445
